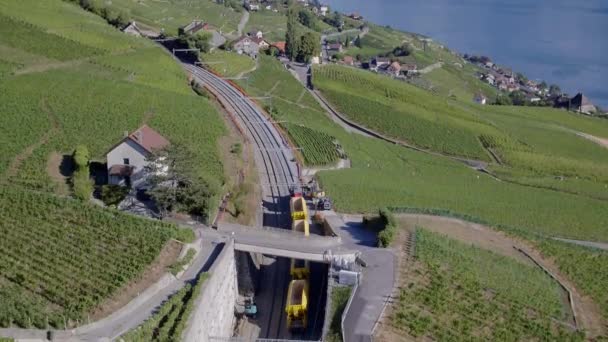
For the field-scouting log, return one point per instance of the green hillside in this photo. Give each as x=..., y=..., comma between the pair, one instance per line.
x=67, y=78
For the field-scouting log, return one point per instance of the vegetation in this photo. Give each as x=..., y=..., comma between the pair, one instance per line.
x=586, y=267
x=175, y=183
x=170, y=16
x=112, y=195
x=61, y=258
x=385, y=226
x=227, y=63
x=81, y=182
x=178, y=266
x=318, y=148
x=460, y=292
x=339, y=299
x=169, y=322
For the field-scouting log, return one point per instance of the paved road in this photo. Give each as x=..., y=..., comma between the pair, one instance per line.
x=591, y=244
x=277, y=172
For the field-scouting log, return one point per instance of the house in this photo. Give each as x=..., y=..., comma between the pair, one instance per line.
x=480, y=99
x=489, y=64
x=490, y=78
x=580, y=103
x=512, y=87
x=355, y=16
x=394, y=68
x=348, y=60
x=409, y=69
x=133, y=30
x=335, y=47
x=380, y=63
x=250, y=45
x=256, y=34
x=502, y=84
x=280, y=46
x=194, y=27
x=127, y=159
x=252, y=6
x=323, y=10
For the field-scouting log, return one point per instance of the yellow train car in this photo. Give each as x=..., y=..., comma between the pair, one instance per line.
x=299, y=210
x=300, y=269
x=297, y=305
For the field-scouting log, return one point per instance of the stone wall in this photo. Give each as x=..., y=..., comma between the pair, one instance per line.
x=213, y=314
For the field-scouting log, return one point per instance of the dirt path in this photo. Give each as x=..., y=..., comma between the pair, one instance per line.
x=587, y=312
x=431, y=68
x=53, y=169
x=600, y=141
x=243, y=23
x=14, y=166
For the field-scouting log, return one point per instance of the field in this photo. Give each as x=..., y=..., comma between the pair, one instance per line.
x=170, y=15
x=227, y=63
x=67, y=78
x=317, y=147
x=62, y=258
x=454, y=291
x=168, y=323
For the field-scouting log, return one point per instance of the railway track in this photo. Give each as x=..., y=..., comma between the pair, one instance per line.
x=278, y=172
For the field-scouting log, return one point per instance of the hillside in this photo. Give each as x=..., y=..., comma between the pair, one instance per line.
x=67, y=78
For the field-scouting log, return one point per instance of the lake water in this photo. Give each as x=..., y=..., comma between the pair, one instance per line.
x=561, y=41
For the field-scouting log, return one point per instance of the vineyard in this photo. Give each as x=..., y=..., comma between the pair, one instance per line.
x=60, y=258
x=168, y=323
x=317, y=147
x=460, y=292
x=171, y=15
x=228, y=64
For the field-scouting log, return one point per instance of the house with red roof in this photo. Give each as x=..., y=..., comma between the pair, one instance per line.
x=127, y=159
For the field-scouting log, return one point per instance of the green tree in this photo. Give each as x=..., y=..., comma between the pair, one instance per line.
x=358, y=42
x=309, y=47
x=554, y=89
x=82, y=185
x=291, y=36
x=306, y=18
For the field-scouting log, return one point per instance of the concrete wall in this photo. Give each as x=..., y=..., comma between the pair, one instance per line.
x=213, y=314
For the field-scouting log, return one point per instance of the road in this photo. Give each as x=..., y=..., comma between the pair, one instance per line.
x=278, y=171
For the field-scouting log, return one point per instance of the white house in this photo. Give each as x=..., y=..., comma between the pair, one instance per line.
x=324, y=9
x=132, y=29
x=127, y=159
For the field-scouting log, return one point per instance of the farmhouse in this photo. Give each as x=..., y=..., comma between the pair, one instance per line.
x=394, y=68
x=194, y=27
x=380, y=63
x=280, y=46
x=127, y=159
x=348, y=60
x=256, y=34
x=132, y=29
x=335, y=47
x=580, y=103
x=250, y=45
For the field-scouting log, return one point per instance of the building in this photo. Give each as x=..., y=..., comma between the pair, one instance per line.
x=335, y=47
x=194, y=27
x=580, y=103
x=323, y=10
x=348, y=60
x=355, y=16
x=409, y=69
x=250, y=45
x=379, y=63
x=394, y=69
x=480, y=99
x=280, y=46
x=256, y=34
x=252, y=6
x=127, y=159
x=133, y=30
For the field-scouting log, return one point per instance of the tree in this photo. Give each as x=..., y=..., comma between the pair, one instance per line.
x=543, y=85
x=291, y=36
x=502, y=100
x=554, y=89
x=522, y=78
x=347, y=41
x=518, y=98
x=176, y=184
x=309, y=47
x=358, y=42
x=306, y=18
x=403, y=50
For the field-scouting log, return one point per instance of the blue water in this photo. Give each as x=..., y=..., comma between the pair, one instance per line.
x=561, y=41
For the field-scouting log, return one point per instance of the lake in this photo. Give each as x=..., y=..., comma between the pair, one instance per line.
x=561, y=41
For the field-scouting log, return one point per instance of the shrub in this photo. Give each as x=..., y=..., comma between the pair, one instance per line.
x=82, y=184
x=388, y=228
x=113, y=194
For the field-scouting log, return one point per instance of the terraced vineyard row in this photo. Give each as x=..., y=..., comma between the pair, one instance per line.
x=61, y=258
x=460, y=292
x=317, y=147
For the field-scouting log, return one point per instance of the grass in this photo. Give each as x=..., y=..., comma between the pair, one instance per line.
x=339, y=299
x=227, y=63
x=460, y=292
x=170, y=15
x=178, y=266
x=61, y=258
x=168, y=323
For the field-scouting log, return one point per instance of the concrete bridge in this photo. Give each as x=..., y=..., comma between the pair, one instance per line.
x=284, y=243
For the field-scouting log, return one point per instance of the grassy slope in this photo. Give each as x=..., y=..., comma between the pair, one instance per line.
x=170, y=15
x=460, y=292
x=75, y=80
x=227, y=63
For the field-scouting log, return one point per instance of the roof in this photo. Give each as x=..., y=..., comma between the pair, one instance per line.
x=395, y=66
x=335, y=46
x=120, y=170
x=280, y=46
x=409, y=67
x=195, y=26
x=348, y=59
x=148, y=138
x=581, y=100
x=382, y=60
